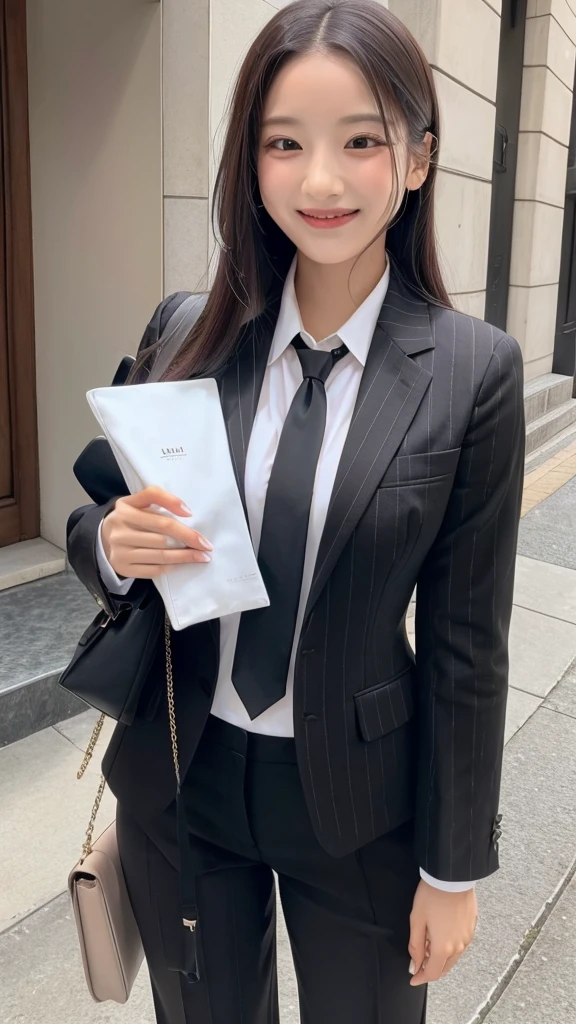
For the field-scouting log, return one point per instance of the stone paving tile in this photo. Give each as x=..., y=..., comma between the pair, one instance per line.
x=544, y=481
x=520, y=706
x=548, y=532
x=563, y=697
x=550, y=589
x=541, y=649
x=543, y=990
x=45, y=811
x=536, y=851
x=41, y=976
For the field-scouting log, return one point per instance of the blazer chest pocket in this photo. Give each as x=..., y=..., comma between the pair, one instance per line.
x=420, y=468
x=386, y=706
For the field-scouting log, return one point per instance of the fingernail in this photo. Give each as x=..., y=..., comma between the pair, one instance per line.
x=187, y=511
x=412, y=968
x=205, y=558
x=205, y=544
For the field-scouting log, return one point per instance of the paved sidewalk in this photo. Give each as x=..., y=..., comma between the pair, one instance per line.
x=520, y=967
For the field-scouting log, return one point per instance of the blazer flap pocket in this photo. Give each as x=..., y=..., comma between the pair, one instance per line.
x=386, y=706
x=406, y=469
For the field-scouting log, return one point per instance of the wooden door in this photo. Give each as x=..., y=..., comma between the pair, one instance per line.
x=19, y=491
x=508, y=98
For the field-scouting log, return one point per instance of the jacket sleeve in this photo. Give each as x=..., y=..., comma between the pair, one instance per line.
x=84, y=523
x=464, y=602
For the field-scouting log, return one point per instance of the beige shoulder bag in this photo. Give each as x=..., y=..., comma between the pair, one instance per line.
x=110, y=943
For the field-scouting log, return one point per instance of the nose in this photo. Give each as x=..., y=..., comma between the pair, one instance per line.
x=322, y=179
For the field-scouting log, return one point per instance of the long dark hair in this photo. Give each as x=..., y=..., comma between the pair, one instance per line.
x=255, y=254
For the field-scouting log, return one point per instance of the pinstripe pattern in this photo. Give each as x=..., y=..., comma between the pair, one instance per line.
x=427, y=494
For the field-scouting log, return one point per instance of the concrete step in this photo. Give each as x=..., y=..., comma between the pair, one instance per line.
x=548, y=425
x=41, y=624
x=545, y=393
x=29, y=560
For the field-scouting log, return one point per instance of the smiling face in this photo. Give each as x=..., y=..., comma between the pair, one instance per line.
x=325, y=151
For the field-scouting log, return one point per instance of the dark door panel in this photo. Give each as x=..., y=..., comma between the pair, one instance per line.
x=565, y=341
x=508, y=98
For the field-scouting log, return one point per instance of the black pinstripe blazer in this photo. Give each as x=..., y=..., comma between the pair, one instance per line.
x=427, y=495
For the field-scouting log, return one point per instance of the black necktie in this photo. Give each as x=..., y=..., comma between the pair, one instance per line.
x=266, y=635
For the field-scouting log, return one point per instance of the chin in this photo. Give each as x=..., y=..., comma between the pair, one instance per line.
x=327, y=253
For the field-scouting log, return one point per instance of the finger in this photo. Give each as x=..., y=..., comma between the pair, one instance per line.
x=153, y=556
x=156, y=496
x=432, y=969
x=450, y=964
x=129, y=537
x=155, y=522
x=417, y=943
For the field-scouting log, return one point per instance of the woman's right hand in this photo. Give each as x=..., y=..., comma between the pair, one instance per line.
x=138, y=541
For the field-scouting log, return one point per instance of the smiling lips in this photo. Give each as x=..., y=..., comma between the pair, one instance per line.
x=328, y=218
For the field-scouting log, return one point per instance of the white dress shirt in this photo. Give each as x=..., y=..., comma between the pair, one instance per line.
x=281, y=381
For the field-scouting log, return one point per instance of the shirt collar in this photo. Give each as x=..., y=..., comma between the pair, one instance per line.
x=356, y=333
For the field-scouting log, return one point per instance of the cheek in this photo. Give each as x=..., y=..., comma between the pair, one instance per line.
x=275, y=180
x=376, y=178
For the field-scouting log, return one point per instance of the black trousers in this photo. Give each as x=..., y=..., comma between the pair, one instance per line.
x=347, y=918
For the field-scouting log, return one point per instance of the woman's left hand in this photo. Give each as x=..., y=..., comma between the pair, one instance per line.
x=442, y=925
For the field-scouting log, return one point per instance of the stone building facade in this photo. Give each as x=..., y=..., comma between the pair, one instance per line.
x=126, y=115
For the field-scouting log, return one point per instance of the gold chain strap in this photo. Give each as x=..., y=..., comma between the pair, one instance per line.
x=90, y=748
x=170, y=692
x=87, y=845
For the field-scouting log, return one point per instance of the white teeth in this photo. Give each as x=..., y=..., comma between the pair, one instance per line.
x=331, y=216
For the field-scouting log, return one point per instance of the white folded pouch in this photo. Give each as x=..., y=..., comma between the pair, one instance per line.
x=173, y=435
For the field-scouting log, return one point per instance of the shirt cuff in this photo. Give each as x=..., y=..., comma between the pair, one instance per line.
x=446, y=886
x=111, y=581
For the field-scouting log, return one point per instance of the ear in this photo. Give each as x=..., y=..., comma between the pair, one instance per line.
x=420, y=164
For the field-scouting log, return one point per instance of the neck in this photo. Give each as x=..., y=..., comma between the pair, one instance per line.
x=329, y=293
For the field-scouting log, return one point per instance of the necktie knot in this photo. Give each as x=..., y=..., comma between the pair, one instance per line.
x=315, y=363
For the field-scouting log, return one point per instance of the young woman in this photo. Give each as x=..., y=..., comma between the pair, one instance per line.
x=378, y=440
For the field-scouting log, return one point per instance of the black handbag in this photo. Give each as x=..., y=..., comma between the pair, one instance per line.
x=114, y=655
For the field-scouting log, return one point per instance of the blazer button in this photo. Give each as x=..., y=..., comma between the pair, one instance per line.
x=309, y=718
x=309, y=650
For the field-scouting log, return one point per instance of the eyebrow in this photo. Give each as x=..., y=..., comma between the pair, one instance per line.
x=349, y=119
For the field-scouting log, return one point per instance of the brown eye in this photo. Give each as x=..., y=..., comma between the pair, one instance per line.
x=365, y=139
x=274, y=145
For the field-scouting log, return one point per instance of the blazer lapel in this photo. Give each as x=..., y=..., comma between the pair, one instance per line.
x=392, y=388
x=240, y=384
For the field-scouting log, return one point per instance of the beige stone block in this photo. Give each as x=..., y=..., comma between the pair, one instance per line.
x=463, y=219
x=496, y=4
x=532, y=319
x=462, y=149
x=467, y=44
x=472, y=303
x=233, y=27
x=546, y=104
x=536, y=243
x=537, y=367
x=562, y=11
x=547, y=44
x=422, y=19
x=185, y=42
x=185, y=244
x=541, y=173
